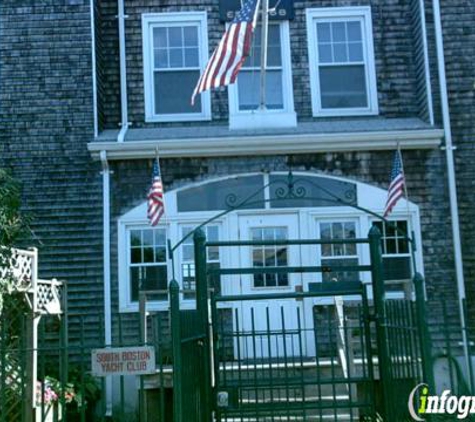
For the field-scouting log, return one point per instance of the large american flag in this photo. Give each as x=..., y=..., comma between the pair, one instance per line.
x=229, y=56
x=156, y=205
x=396, y=185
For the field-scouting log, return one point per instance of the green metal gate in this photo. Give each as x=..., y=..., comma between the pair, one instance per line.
x=349, y=361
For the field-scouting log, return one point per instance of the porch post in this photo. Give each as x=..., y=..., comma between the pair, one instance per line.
x=384, y=360
x=202, y=308
x=176, y=345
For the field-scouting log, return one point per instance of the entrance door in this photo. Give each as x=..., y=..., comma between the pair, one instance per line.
x=272, y=327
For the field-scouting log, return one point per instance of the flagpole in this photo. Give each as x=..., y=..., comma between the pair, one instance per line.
x=412, y=239
x=167, y=225
x=264, y=32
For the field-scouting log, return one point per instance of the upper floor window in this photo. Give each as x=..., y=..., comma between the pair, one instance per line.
x=175, y=50
x=244, y=95
x=341, y=61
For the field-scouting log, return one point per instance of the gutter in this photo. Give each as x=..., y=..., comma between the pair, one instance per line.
x=123, y=72
x=241, y=145
x=94, y=70
x=107, y=273
x=449, y=148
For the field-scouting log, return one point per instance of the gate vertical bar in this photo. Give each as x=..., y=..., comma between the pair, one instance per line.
x=176, y=345
x=199, y=239
x=427, y=367
x=384, y=361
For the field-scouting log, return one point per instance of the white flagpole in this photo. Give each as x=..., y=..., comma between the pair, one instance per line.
x=264, y=32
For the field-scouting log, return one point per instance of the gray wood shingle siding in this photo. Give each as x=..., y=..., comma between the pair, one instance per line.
x=46, y=120
x=395, y=54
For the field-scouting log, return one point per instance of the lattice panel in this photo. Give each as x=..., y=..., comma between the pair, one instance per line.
x=21, y=268
x=48, y=297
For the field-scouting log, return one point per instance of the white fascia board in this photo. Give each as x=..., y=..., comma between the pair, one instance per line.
x=269, y=144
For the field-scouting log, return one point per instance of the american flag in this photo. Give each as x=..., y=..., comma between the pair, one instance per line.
x=229, y=56
x=396, y=185
x=156, y=206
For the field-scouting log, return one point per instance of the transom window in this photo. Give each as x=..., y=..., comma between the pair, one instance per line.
x=147, y=262
x=175, y=51
x=341, y=61
x=334, y=255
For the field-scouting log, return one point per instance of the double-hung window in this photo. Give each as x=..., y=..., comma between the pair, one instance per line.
x=341, y=61
x=188, y=274
x=244, y=95
x=175, y=50
x=334, y=256
x=147, y=262
x=396, y=253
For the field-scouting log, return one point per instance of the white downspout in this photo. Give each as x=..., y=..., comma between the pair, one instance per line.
x=123, y=72
x=107, y=274
x=94, y=74
x=451, y=178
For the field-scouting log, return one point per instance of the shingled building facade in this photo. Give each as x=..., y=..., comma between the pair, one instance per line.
x=91, y=91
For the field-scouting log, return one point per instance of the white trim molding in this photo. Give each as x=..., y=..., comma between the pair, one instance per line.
x=270, y=144
x=154, y=20
x=362, y=15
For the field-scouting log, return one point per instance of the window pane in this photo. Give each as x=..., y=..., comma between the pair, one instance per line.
x=160, y=254
x=191, y=36
x=356, y=52
x=249, y=85
x=148, y=255
x=397, y=268
x=340, y=53
x=160, y=38
x=354, y=31
x=338, y=31
x=147, y=237
x=161, y=58
x=192, y=57
x=176, y=57
x=173, y=92
x=135, y=255
x=323, y=32
x=175, y=35
x=135, y=238
x=325, y=53
x=343, y=87
x=222, y=194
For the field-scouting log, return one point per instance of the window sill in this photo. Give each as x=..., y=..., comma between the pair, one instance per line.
x=345, y=112
x=168, y=118
x=262, y=119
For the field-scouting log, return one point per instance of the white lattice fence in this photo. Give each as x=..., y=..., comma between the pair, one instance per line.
x=29, y=300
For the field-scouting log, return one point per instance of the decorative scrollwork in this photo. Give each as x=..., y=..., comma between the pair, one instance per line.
x=231, y=200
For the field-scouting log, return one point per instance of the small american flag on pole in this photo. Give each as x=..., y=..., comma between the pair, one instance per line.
x=156, y=205
x=396, y=185
x=229, y=56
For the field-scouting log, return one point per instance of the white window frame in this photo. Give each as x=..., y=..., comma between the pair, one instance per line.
x=363, y=14
x=153, y=20
x=247, y=119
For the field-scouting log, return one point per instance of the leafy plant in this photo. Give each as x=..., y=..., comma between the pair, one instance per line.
x=13, y=226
